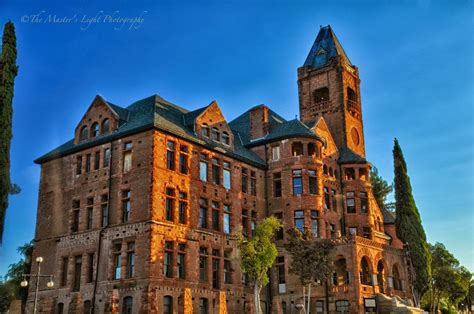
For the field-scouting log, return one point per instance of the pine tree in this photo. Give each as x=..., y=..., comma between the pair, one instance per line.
x=408, y=225
x=8, y=72
x=380, y=188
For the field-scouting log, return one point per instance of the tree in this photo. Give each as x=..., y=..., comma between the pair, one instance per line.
x=8, y=72
x=312, y=260
x=10, y=288
x=258, y=254
x=380, y=188
x=408, y=226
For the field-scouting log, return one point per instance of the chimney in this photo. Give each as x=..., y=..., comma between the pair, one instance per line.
x=258, y=122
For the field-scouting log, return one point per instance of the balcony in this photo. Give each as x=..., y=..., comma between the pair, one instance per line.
x=322, y=105
x=353, y=106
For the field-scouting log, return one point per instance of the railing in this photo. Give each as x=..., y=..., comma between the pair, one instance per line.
x=322, y=105
x=340, y=289
x=353, y=106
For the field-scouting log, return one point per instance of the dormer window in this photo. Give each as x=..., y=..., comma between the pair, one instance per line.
x=84, y=134
x=205, y=130
x=95, y=130
x=225, y=138
x=216, y=136
x=105, y=126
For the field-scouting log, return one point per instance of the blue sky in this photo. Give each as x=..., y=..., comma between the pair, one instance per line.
x=415, y=60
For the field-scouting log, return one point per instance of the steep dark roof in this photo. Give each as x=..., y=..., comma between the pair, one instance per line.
x=324, y=48
x=278, y=127
x=348, y=156
x=388, y=216
x=155, y=112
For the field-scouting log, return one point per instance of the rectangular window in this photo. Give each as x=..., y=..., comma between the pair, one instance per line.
x=104, y=209
x=279, y=233
x=253, y=183
x=97, y=160
x=181, y=261
x=203, y=256
x=334, y=200
x=64, y=271
x=106, y=161
x=183, y=159
x=227, y=213
x=299, y=220
x=203, y=168
x=170, y=146
x=366, y=232
x=327, y=198
x=169, y=215
x=350, y=201
x=88, y=163
x=312, y=182
x=332, y=230
x=117, y=261
x=253, y=223
x=277, y=184
x=130, y=271
x=280, y=266
x=227, y=176
x=76, y=286
x=168, y=259
x=364, y=202
x=126, y=206
x=78, y=164
x=215, y=269
x=182, y=208
x=297, y=182
x=75, y=216
x=216, y=171
x=90, y=267
x=215, y=216
x=227, y=268
x=203, y=213
x=353, y=231
x=319, y=306
x=245, y=222
x=315, y=223
x=127, y=157
x=90, y=212
x=244, y=180
x=275, y=153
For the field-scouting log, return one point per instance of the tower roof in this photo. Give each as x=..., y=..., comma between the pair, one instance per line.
x=324, y=48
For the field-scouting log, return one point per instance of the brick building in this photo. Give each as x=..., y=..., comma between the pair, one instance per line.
x=137, y=212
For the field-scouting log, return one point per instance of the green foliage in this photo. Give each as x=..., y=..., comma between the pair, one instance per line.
x=259, y=253
x=380, y=188
x=312, y=259
x=10, y=288
x=8, y=72
x=408, y=224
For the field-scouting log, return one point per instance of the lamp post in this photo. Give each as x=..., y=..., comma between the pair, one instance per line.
x=49, y=284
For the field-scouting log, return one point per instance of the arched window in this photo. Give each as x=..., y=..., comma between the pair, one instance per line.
x=225, y=138
x=325, y=169
x=380, y=276
x=311, y=149
x=397, y=283
x=168, y=304
x=216, y=135
x=205, y=130
x=363, y=174
x=297, y=149
x=330, y=172
x=106, y=126
x=95, y=130
x=84, y=134
x=341, y=276
x=87, y=307
x=321, y=95
x=350, y=174
x=60, y=308
x=365, y=277
x=127, y=305
x=203, y=306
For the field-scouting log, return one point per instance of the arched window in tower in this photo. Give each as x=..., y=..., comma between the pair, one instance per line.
x=363, y=174
x=106, y=126
x=84, y=135
x=352, y=102
x=351, y=95
x=349, y=174
x=95, y=130
x=321, y=95
x=297, y=149
x=312, y=149
x=365, y=277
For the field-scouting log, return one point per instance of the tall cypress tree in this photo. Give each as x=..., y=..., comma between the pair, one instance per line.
x=408, y=225
x=8, y=72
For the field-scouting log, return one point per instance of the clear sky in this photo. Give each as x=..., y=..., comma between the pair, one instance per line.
x=415, y=60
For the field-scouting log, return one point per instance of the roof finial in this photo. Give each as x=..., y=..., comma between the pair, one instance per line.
x=320, y=26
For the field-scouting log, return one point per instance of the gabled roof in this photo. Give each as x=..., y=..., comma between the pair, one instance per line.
x=155, y=112
x=388, y=216
x=324, y=48
x=348, y=156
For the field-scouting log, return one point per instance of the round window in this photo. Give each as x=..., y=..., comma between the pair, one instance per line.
x=355, y=136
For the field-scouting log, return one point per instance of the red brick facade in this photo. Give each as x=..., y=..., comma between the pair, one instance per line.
x=141, y=218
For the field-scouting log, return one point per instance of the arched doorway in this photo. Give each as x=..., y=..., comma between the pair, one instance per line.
x=365, y=277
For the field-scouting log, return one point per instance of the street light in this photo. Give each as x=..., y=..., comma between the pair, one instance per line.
x=49, y=284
